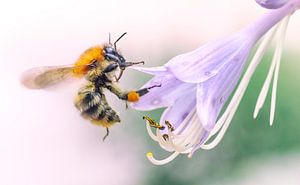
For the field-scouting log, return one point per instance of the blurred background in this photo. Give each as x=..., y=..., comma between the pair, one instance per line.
x=43, y=139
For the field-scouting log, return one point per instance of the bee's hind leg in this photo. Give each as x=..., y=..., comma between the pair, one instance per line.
x=107, y=133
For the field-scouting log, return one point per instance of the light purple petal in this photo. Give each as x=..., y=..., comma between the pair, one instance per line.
x=152, y=70
x=171, y=89
x=213, y=93
x=176, y=113
x=204, y=63
x=272, y=4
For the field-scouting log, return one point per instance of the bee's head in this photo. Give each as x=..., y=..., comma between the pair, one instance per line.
x=111, y=54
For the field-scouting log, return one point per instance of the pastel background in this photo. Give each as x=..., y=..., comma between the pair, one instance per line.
x=43, y=139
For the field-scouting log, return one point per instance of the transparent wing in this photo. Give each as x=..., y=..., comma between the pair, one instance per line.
x=42, y=77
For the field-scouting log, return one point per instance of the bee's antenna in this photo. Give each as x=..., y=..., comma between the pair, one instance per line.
x=109, y=39
x=115, y=44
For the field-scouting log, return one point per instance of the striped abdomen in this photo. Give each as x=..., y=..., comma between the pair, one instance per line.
x=93, y=106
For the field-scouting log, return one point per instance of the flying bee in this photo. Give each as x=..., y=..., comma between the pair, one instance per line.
x=98, y=65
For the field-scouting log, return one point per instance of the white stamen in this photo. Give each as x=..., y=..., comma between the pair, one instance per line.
x=162, y=142
x=180, y=128
x=151, y=134
x=278, y=54
x=265, y=88
x=184, y=141
x=179, y=142
x=163, y=161
x=190, y=132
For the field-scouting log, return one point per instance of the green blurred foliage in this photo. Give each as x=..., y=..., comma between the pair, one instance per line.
x=246, y=139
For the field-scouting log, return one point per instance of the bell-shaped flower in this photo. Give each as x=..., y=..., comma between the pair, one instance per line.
x=196, y=85
x=272, y=4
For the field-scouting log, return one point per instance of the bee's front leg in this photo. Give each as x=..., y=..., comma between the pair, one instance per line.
x=125, y=65
x=130, y=96
x=133, y=96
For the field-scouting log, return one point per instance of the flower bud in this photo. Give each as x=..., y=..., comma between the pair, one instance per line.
x=271, y=4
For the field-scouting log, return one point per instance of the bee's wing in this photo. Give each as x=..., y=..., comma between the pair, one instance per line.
x=42, y=77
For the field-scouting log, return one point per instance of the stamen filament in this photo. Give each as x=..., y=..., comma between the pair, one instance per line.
x=282, y=34
x=151, y=134
x=264, y=91
x=184, y=144
x=163, y=161
x=162, y=142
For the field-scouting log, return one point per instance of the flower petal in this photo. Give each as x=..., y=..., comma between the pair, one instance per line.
x=204, y=63
x=213, y=93
x=177, y=112
x=152, y=70
x=171, y=89
x=271, y=4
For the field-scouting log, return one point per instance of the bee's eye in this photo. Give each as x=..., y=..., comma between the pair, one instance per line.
x=109, y=50
x=108, y=57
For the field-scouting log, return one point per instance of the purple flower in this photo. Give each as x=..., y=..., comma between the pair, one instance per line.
x=272, y=4
x=195, y=86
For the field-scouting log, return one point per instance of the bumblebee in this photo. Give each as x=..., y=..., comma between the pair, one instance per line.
x=99, y=66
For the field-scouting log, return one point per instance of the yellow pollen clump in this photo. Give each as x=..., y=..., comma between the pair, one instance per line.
x=133, y=96
x=149, y=154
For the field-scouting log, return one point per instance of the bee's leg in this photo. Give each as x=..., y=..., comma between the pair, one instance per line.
x=107, y=133
x=127, y=64
x=152, y=123
x=110, y=68
x=120, y=75
x=131, y=96
x=144, y=91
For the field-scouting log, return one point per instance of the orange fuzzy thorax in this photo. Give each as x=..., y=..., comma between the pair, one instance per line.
x=81, y=65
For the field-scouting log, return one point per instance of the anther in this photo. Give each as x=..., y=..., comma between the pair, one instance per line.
x=166, y=137
x=170, y=127
x=152, y=123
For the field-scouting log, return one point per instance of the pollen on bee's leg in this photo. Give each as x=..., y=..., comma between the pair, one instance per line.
x=133, y=96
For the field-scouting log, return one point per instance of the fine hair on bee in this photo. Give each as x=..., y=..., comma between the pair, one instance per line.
x=101, y=66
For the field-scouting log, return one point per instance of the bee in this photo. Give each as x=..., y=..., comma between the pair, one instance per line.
x=99, y=66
